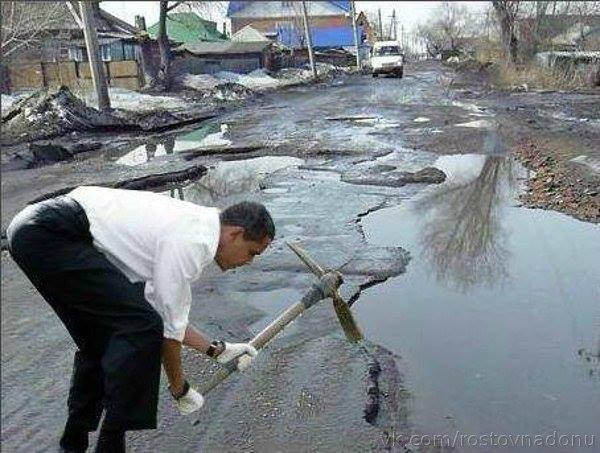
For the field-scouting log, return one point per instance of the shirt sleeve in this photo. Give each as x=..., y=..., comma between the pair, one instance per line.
x=178, y=262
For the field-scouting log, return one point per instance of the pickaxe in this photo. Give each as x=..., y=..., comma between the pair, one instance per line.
x=327, y=286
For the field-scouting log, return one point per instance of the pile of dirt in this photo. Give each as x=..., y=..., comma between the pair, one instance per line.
x=558, y=186
x=47, y=114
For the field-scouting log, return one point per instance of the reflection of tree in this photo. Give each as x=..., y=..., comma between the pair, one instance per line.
x=462, y=237
x=150, y=151
x=169, y=144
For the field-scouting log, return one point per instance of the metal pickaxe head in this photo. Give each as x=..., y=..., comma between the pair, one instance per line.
x=342, y=310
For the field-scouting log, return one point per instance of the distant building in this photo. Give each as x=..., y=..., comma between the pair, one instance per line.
x=249, y=34
x=63, y=40
x=60, y=57
x=330, y=21
x=235, y=56
x=559, y=32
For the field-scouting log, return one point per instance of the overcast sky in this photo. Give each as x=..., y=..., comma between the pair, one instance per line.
x=410, y=14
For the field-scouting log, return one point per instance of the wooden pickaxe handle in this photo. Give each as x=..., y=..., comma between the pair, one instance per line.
x=325, y=287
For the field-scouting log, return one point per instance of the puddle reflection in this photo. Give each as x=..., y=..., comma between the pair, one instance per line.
x=206, y=136
x=232, y=177
x=462, y=237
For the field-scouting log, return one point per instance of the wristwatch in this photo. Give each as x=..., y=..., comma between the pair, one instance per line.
x=186, y=388
x=215, y=348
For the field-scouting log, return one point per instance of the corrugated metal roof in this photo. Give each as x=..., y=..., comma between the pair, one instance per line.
x=226, y=47
x=188, y=28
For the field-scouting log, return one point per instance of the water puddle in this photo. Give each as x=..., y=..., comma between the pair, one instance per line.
x=208, y=135
x=234, y=177
x=497, y=315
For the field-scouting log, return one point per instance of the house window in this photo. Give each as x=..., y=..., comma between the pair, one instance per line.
x=75, y=54
x=105, y=51
x=128, y=51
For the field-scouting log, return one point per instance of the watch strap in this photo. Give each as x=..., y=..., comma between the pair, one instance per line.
x=215, y=348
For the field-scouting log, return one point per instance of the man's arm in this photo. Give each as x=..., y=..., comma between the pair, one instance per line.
x=195, y=339
x=171, y=359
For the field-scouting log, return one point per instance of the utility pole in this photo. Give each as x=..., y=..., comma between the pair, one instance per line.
x=402, y=36
x=311, y=57
x=356, y=40
x=380, y=25
x=393, y=34
x=91, y=44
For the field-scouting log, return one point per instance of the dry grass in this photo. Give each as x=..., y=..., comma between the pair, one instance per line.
x=488, y=51
x=505, y=76
x=538, y=77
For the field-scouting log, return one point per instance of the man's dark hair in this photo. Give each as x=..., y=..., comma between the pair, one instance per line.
x=253, y=217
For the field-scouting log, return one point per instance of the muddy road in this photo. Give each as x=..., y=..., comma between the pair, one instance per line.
x=480, y=315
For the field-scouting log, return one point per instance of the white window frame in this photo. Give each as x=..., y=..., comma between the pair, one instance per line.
x=105, y=52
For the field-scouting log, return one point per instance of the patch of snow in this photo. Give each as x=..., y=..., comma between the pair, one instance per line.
x=468, y=106
x=367, y=121
x=378, y=123
x=201, y=81
x=421, y=119
x=478, y=124
x=256, y=80
x=121, y=98
x=6, y=101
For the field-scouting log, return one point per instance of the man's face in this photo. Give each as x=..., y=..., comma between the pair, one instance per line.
x=235, y=250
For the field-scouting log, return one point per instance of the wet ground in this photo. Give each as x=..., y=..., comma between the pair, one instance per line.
x=482, y=318
x=497, y=315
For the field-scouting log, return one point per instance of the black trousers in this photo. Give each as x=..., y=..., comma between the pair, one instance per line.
x=117, y=332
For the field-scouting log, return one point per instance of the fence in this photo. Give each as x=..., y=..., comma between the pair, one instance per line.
x=73, y=74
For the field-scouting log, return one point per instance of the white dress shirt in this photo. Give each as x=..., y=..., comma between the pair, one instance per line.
x=157, y=239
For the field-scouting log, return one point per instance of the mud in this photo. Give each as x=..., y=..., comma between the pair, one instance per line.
x=565, y=186
x=548, y=131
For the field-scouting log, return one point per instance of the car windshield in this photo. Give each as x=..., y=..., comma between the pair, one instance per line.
x=386, y=50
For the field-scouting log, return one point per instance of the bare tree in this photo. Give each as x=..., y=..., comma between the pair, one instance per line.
x=162, y=82
x=211, y=10
x=432, y=38
x=506, y=12
x=450, y=22
x=24, y=24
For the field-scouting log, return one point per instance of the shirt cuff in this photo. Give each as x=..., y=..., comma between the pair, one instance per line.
x=174, y=334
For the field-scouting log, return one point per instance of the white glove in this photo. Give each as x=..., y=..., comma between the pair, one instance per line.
x=245, y=351
x=190, y=402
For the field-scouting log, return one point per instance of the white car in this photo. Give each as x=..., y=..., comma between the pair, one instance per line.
x=387, y=58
